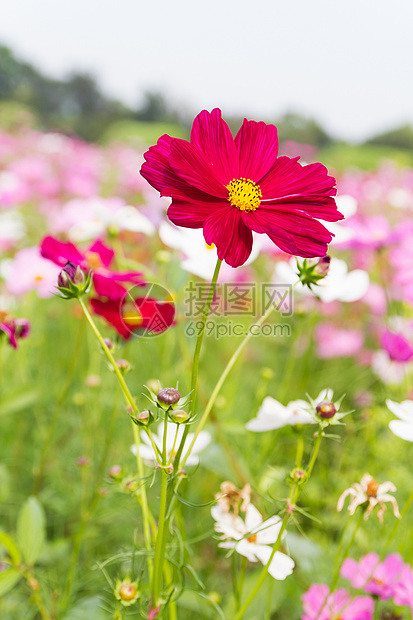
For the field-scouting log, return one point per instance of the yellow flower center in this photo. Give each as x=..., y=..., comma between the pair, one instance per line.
x=93, y=260
x=372, y=488
x=4, y=316
x=252, y=538
x=244, y=194
x=127, y=591
x=132, y=317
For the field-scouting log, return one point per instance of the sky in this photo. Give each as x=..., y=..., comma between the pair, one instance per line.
x=347, y=63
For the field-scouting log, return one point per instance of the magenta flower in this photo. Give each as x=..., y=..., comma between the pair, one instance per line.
x=396, y=346
x=13, y=328
x=373, y=576
x=231, y=187
x=96, y=258
x=338, y=605
x=403, y=594
x=335, y=342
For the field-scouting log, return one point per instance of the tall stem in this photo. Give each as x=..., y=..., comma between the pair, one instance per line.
x=293, y=497
x=197, y=353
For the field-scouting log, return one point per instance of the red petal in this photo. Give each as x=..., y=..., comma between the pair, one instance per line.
x=189, y=163
x=293, y=232
x=111, y=312
x=212, y=136
x=191, y=213
x=232, y=238
x=106, y=287
x=258, y=149
x=156, y=316
x=287, y=178
x=60, y=252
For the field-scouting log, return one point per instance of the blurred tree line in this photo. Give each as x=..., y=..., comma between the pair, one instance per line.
x=76, y=105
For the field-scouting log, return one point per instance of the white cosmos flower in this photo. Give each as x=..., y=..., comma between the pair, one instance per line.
x=403, y=427
x=390, y=371
x=253, y=538
x=338, y=285
x=272, y=414
x=88, y=218
x=147, y=453
x=200, y=258
x=12, y=228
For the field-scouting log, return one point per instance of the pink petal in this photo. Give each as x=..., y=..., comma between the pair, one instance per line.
x=258, y=148
x=232, y=238
x=106, y=287
x=211, y=135
x=60, y=252
x=192, y=213
x=105, y=254
x=191, y=165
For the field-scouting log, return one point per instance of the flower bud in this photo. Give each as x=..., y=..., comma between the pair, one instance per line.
x=72, y=281
x=322, y=267
x=82, y=461
x=127, y=592
x=123, y=365
x=115, y=472
x=326, y=409
x=144, y=416
x=109, y=343
x=168, y=397
x=179, y=416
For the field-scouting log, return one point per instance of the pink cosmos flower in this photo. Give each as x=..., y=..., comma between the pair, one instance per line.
x=338, y=605
x=403, y=594
x=373, y=576
x=29, y=271
x=231, y=187
x=396, y=346
x=97, y=258
x=334, y=342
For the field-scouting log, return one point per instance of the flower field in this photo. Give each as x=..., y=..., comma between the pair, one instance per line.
x=206, y=354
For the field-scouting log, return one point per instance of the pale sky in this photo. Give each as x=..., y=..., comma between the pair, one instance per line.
x=348, y=63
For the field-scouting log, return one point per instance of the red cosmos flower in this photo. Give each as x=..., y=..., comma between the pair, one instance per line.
x=143, y=313
x=97, y=258
x=231, y=187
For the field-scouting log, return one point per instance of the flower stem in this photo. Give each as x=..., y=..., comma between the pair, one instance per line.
x=130, y=401
x=251, y=332
x=160, y=544
x=197, y=353
x=295, y=493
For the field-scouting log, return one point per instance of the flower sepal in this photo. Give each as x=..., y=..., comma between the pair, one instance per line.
x=310, y=273
x=144, y=418
x=327, y=412
x=168, y=399
x=73, y=283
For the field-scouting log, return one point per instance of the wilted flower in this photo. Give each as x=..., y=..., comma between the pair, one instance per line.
x=403, y=427
x=232, y=499
x=233, y=187
x=253, y=538
x=370, y=492
x=373, y=576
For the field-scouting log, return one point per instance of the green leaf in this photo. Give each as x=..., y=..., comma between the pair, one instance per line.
x=19, y=402
x=31, y=530
x=8, y=579
x=8, y=543
x=86, y=609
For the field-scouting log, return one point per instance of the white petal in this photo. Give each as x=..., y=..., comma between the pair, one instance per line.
x=269, y=531
x=253, y=518
x=402, y=429
x=246, y=549
x=403, y=410
x=355, y=286
x=281, y=565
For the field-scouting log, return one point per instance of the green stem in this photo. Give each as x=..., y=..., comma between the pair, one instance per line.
x=251, y=332
x=346, y=551
x=295, y=493
x=195, y=363
x=160, y=544
x=396, y=526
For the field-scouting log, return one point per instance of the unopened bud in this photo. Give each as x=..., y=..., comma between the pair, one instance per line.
x=123, y=365
x=82, y=461
x=299, y=474
x=179, y=416
x=127, y=592
x=326, y=410
x=108, y=342
x=323, y=265
x=143, y=417
x=168, y=396
x=70, y=273
x=115, y=472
